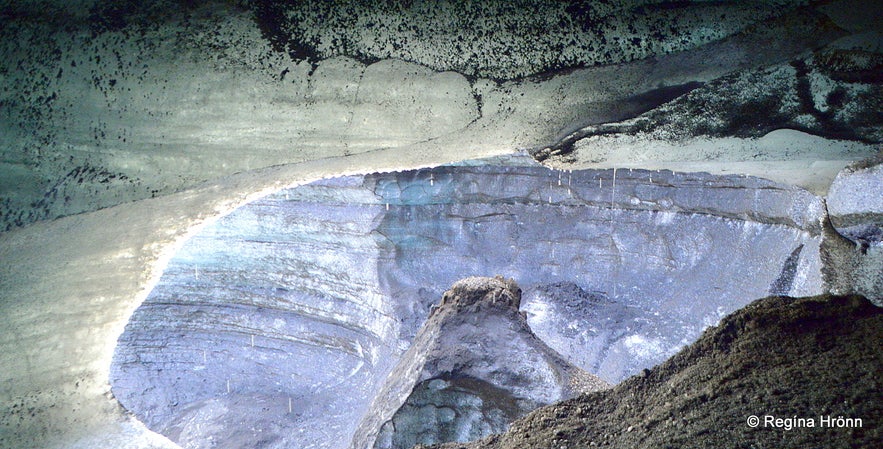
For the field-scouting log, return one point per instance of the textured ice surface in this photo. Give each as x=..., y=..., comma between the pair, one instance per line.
x=855, y=204
x=312, y=294
x=116, y=101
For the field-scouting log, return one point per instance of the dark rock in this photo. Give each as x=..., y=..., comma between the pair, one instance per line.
x=795, y=360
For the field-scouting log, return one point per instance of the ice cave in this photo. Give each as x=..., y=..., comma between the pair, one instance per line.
x=449, y=224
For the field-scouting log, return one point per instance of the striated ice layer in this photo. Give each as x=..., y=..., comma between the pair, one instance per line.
x=855, y=206
x=272, y=319
x=280, y=323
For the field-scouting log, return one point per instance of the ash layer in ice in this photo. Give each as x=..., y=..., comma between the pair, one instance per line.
x=474, y=367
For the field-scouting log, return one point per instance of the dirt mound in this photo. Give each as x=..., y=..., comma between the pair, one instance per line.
x=810, y=370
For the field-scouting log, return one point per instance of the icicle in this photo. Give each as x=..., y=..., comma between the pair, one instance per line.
x=252, y=340
x=613, y=190
x=613, y=231
x=289, y=405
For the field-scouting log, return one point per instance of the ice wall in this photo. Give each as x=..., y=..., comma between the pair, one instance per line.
x=288, y=314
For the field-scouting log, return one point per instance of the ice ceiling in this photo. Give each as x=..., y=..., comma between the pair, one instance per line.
x=127, y=130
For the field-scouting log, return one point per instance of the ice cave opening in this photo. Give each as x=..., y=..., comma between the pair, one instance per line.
x=278, y=325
